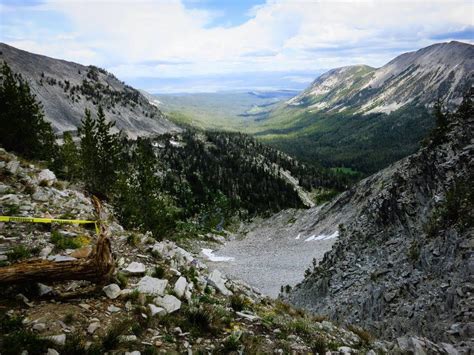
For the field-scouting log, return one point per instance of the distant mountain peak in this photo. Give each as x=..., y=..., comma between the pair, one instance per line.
x=442, y=70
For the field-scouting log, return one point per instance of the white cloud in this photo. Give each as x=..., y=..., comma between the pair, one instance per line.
x=166, y=39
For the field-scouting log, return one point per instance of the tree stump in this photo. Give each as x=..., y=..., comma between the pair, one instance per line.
x=98, y=267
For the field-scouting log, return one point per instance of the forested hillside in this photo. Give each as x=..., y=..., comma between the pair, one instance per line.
x=191, y=182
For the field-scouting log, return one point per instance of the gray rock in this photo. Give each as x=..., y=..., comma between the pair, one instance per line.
x=39, y=327
x=135, y=268
x=45, y=252
x=113, y=309
x=47, y=176
x=93, y=327
x=13, y=166
x=127, y=338
x=154, y=310
x=40, y=196
x=152, y=286
x=43, y=289
x=57, y=339
x=112, y=291
x=216, y=280
x=10, y=199
x=180, y=287
x=169, y=303
x=52, y=352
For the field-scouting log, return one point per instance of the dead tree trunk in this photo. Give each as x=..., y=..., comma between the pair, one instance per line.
x=98, y=267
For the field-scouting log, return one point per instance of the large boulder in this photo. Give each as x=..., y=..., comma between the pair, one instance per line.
x=152, y=286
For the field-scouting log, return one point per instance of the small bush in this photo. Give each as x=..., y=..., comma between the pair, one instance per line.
x=159, y=272
x=232, y=343
x=199, y=318
x=122, y=279
x=30, y=189
x=43, y=183
x=61, y=242
x=22, y=340
x=414, y=252
x=9, y=324
x=319, y=346
x=133, y=240
x=365, y=337
x=237, y=303
x=19, y=252
x=69, y=318
x=110, y=340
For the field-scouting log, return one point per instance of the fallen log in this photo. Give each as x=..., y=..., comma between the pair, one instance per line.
x=98, y=267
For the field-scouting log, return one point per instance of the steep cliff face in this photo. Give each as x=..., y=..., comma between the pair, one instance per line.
x=65, y=89
x=404, y=262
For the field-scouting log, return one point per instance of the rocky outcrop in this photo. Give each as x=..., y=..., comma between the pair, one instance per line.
x=65, y=89
x=404, y=261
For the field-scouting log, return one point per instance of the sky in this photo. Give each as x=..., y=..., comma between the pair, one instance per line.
x=211, y=45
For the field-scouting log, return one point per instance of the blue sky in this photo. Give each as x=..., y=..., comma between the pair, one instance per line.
x=210, y=45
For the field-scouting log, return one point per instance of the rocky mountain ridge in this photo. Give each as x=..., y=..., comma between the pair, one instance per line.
x=65, y=89
x=403, y=262
x=441, y=71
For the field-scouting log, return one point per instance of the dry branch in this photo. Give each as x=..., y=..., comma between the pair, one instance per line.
x=98, y=267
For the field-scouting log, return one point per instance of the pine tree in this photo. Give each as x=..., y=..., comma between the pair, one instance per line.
x=100, y=153
x=88, y=151
x=22, y=125
x=70, y=158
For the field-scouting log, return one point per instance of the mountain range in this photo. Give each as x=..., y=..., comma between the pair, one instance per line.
x=65, y=89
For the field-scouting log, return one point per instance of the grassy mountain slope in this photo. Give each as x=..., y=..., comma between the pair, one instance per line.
x=366, y=118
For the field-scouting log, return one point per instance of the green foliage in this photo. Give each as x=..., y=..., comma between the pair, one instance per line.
x=62, y=242
x=237, y=303
x=99, y=153
x=17, y=342
x=365, y=337
x=22, y=123
x=139, y=195
x=69, y=318
x=9, y=324
x=364, y=143
x=19, y=252
x=232, y=343
x=414, y=252
x=133, y=240
x=159, y=272
x=319, y=346
x=456, y=210
x=70, y=157
x=111, y=339
x=122, y=279
x=199, y=318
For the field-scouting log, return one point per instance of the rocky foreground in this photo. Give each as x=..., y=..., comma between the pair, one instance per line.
x=161, y=298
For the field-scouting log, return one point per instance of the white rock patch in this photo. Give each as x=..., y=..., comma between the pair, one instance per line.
x=209, y=253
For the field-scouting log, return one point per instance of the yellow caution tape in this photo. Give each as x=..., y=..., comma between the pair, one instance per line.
x=48, y=220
